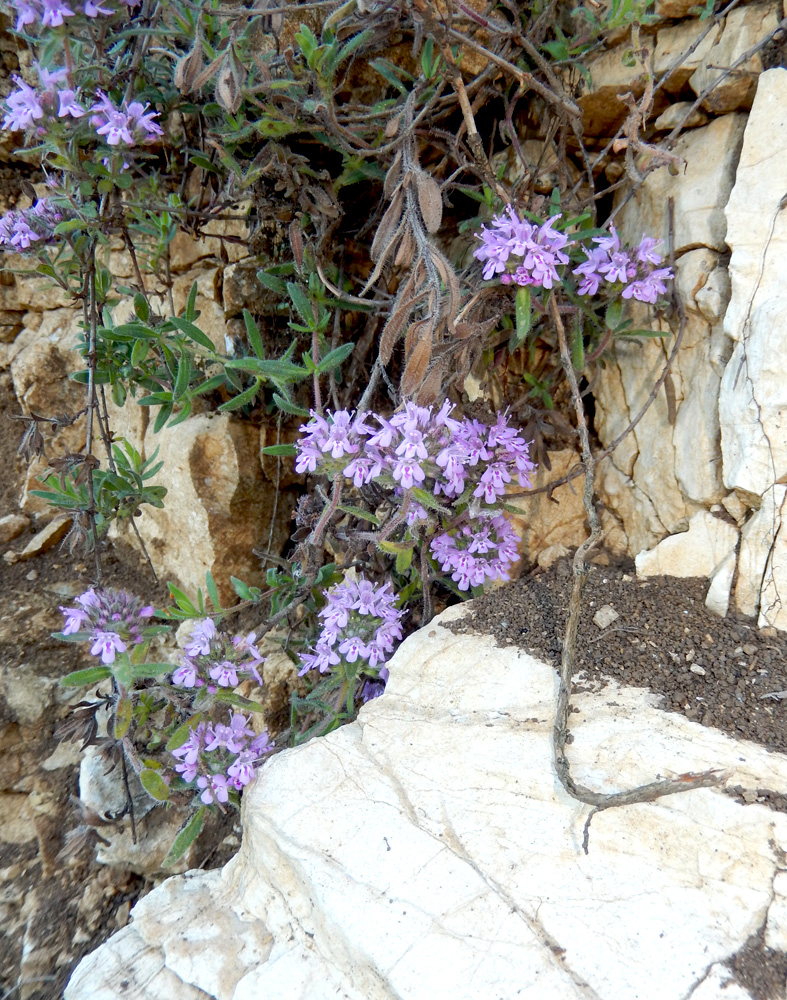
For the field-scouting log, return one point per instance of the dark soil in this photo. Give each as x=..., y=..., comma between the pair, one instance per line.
x=662, y=632
x=663, y=629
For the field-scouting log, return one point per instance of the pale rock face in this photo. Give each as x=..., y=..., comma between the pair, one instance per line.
x=185, y=251
x=428, y=850
x=218, y=508
x=672, y=455
x=761, y=586
x=544, y=522
x=672, y=51
x=700, y=192
x=745, y=26
x=717, y=599
x=602, y=111
x=682, y=114
x=696, y=552
x=753, y=399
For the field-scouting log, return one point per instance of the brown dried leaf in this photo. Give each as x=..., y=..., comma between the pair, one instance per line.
x=393, y=329
x=208, y=73
x=406, y=251
x=448, y=275
x=189, y=67
x=417, y=364
x=389, y=224
x=296, y=242
x=393, y=176
x=392, y=127
x=228, y=83
x=431, y=387
x=429, y=201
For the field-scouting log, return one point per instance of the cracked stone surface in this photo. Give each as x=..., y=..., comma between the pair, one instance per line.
x=753, y=397
x=428, y=850
x=669, y=466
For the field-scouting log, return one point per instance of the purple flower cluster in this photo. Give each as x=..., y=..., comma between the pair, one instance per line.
x=539, y=248
x=221, y=757
x=212, y=659
x=19, y=230
x=524, y=253
x=26, y=106
x=474, y=554
x=360, y=626
x=52, y=13
x=112, y=619
x=417, y=447
x=127, y=125
x=637, y=269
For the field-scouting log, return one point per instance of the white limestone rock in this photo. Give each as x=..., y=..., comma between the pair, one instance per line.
x=700, y=191
x=744, y=27
x=428, y=850
x=672, y=457
x=717, y=599
x=696, y=552
x=762, y=562
x=753, y=398
x=218, y=507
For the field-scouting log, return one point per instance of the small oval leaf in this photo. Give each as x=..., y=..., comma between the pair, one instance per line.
x=154, y=784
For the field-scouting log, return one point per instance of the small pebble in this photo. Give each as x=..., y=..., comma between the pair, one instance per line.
x=605, y=616
x=696, y=668
x=32, y=575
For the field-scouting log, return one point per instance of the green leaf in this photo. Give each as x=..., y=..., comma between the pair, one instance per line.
x=154, y=784
x=141, y=307
x=71, y=225
x=210, y=585
x=163, y=416
x=209, y=385
x=429, y=501
x=245, y=592
x=139, y=352
x=91, y=675
x=279, y=449
x=253, y=333
x=183, y=377
x=289, y=407
x=357, y=512
x=245, y=397
x=394, y=548
x=182, y=601
x=122, y=719
x=403, y=561
x=235, y=699
x=143, y=670
x=193, y=333
x=191, y=305
x=272, y=282
x=302, y=303
x=182, y=733
x=523, y=317
x=185, y=838
x=578, y=348
x=613, y=314
x=334, y=358
x=122, y=670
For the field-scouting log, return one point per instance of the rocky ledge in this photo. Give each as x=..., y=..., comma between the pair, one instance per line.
x=428, y=850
